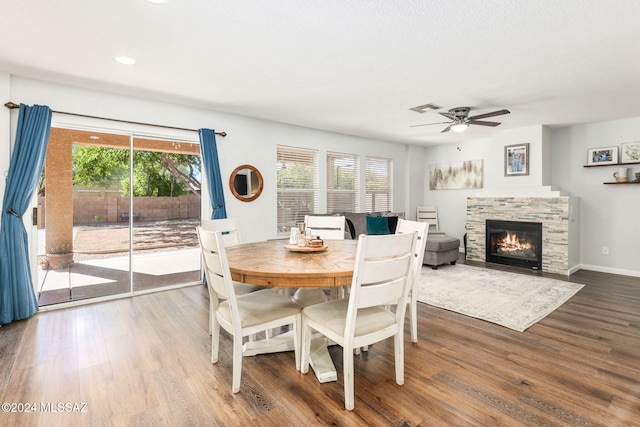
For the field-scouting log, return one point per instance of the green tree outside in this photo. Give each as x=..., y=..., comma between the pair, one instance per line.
x=155, y=174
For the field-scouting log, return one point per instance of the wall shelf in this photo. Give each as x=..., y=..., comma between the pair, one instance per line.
x=622, y=183
x=616, y=165
x=611, y=164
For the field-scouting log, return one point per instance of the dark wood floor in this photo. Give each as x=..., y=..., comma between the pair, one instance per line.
x=145, y=361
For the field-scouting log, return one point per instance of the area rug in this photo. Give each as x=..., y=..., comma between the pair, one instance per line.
x=512, y=300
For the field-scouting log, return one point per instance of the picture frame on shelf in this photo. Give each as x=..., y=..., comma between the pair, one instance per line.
x=516, y=160
x=602, y=156
x=630, y=152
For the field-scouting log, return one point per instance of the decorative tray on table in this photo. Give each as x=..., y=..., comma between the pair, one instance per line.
x=296, y=248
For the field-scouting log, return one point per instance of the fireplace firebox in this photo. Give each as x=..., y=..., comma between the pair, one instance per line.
x=515, y=243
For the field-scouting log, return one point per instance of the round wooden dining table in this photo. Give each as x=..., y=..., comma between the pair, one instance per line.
x=271, y=264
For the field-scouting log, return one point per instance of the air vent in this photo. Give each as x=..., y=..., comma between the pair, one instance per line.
x=425, y=107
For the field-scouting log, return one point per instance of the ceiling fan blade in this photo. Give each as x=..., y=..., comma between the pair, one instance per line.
x=486, y=115
x=429, y=124
x=447, y=129
x=475, y=122
x=448, y=115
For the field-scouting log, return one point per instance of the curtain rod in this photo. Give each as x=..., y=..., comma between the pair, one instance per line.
x=11, y=105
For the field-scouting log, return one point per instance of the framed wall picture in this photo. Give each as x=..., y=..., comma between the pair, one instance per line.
x=516, y=160
x=630, y=152
x=602, y=156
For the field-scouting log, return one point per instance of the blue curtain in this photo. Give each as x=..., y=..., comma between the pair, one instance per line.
x=17, y=298
x=211, y=164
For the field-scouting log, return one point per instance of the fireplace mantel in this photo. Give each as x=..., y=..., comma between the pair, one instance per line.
x=544, y=191
x=558, y=215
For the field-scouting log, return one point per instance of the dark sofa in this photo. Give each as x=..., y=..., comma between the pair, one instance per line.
x=440, y=248
x=356, y=222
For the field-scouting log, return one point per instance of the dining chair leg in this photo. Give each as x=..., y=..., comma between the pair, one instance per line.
x=413, y=317
x=215, y=340
x=296, y=340
x=210, y=317
x=305, y=346
x=347, y=362
x=237, y=363
x=398, y=346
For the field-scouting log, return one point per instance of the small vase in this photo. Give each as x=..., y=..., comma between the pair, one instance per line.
x=60, y=261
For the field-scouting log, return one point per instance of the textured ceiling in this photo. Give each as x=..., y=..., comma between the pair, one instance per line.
x=353, y=67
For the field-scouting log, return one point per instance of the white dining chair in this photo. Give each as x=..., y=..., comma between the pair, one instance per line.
x=242, y=315
x=229, y=228
x=422, y=230
x=429, y=214
x=231, y=236
x=381, y=280
x=327, y=227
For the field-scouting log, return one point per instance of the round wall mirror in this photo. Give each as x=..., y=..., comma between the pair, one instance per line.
x=246, y=183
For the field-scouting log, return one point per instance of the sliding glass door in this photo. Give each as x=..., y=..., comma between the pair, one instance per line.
x=166, y=211
x=126, y=206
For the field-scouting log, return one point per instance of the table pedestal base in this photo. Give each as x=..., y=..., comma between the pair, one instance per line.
x=319, y=357
x=320, y=361
x=283, y=342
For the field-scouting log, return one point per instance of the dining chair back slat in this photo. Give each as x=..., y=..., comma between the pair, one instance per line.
x=327, y=227
x=212, y=263
x=229, y=228
x=382, y=274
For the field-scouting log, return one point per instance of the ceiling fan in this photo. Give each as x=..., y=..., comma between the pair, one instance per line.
x=460, y=119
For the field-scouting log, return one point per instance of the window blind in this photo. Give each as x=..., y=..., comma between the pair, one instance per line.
x=297, y=175
x=379, y=184
x=343, y=182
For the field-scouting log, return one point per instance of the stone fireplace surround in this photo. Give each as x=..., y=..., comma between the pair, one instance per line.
x=552, y=210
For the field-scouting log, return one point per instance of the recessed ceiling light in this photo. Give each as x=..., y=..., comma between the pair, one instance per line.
x=94, y=137
x=157, y=1
x=125, y=60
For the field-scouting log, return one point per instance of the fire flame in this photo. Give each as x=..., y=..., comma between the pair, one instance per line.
x=512, y=243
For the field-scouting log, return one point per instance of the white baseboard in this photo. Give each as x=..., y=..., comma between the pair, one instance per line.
x=610, y=270
x=573, y=269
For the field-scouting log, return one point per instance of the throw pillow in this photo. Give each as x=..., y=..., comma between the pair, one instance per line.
x=393, y=224
x=351, y=228
x=377, y=225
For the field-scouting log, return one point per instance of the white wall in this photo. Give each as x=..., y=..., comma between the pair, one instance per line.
x=416, y=179
x=608, y=214
x=249, y=141
x=452, y=204
x=5, y=132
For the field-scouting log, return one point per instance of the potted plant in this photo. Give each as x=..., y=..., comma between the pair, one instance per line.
x=60, y=256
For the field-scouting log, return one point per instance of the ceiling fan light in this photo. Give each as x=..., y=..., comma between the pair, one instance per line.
x=459, y=127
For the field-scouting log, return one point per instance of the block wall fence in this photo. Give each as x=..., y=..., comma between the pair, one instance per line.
x=114, y=209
